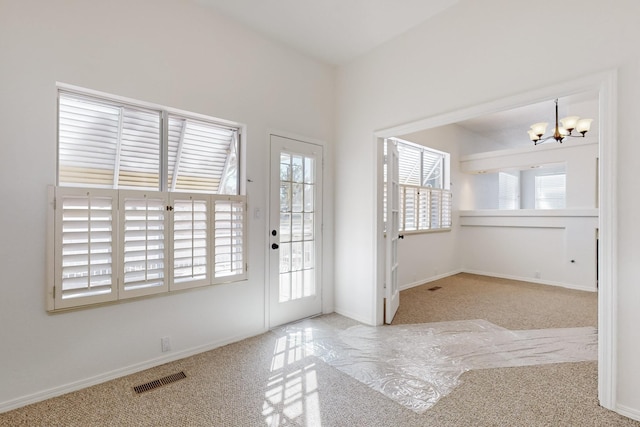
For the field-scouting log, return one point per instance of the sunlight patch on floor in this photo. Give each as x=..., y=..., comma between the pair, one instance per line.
x=292, y=397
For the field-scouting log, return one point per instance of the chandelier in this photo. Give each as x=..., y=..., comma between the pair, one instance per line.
x=562, y=130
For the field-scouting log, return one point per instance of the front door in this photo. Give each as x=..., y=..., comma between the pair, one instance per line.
x=295, y=230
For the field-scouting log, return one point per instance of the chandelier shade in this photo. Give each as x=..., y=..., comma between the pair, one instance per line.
x=563, y=128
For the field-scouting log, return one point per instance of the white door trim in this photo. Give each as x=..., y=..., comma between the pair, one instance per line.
x=606, y=84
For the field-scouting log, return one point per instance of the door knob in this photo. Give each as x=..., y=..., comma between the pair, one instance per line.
x=274, y=246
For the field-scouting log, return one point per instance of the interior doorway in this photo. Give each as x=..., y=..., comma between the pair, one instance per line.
x=606, y=87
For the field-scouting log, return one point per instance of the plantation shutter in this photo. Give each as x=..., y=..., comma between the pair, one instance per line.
x=230, y=239
x=190, y=225
x=113, y=234
x=423, y=209
x=433, y=169
x=107, y=144
x=202, y=157
x=143, y=231
x=87, y=141
x=409, y=164
x=84, y=255
x=138, y=158
x=410, y=207
x=435, y=200
x=446, y=208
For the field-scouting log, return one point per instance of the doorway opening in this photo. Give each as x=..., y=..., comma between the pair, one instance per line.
x=604, y=85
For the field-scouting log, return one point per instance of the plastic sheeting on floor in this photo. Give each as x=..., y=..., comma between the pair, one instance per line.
x=416, y=365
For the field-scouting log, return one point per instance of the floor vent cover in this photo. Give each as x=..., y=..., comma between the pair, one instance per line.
x=435, y=288
x=159, y=383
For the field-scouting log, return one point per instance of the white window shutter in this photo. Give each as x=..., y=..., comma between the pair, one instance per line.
x=85, y=261
x=88, y=135
x=112, y=233
x=423, y=209
x=191, y=248
x=202, y=157
x=105, y=144
x=447, y=207
x=143, y=237
x=138, y=156
x=230, y=238
x=435, y=212
x=410, y=208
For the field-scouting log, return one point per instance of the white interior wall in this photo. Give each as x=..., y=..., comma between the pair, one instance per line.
x=549, y=247
x=474, y=53
x=172, y=53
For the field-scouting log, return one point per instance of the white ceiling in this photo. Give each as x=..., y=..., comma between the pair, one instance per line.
x=334, y=31
x=337, y=31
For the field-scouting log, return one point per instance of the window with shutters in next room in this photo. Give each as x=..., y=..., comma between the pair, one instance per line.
x=425, y=198
x=148, y=200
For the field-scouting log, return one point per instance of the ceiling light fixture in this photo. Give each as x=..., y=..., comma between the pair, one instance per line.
x=562, y=129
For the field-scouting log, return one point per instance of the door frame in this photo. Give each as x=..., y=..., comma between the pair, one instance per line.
x=606, y=85
x=325, y=294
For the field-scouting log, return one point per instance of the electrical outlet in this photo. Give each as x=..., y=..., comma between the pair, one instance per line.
x=166, y=344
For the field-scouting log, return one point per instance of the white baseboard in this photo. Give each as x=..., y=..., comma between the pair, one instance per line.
x=350, y=315
x=625, y=411
x=118, y=373
x=428, y=280
x=530, y=280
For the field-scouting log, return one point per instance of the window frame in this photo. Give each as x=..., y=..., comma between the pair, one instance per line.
x=424, y=197
x=55, y=301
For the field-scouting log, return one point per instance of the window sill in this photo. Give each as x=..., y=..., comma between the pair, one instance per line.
x=530, y=213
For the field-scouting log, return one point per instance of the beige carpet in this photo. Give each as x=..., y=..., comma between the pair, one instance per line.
x=263, y=382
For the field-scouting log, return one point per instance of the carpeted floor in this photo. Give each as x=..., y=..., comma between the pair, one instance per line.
x=264, y=381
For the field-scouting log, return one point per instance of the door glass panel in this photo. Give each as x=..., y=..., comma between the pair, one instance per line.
x=297, y=221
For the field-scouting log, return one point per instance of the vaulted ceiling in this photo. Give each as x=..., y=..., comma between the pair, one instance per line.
x=338, y=31
x=334, y=31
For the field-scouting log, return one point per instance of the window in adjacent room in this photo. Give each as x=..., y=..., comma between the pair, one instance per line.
x=148, y=200
x=550, y=191
x=508, y=190
x=425, y=199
